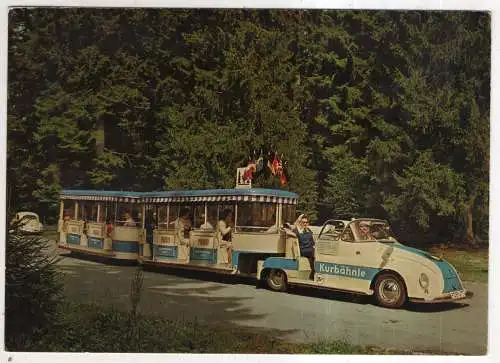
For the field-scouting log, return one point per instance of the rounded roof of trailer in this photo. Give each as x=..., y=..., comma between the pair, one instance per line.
x=223, y=192
x=107, y=193
x=101, y=195
x=205, y=195
x=222, y=195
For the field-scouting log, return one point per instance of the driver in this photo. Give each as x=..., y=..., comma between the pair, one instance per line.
x=364, y=231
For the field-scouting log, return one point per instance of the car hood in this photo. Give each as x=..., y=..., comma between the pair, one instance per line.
x=449, y=274
x=415, y=251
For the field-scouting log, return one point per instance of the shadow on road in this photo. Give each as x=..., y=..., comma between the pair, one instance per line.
x=162, y=294
x=177, y=296
x=208, y=276
x=98, y=259
x=166, y=296
x=330, y=295
x=251, y=281
x=435, y=308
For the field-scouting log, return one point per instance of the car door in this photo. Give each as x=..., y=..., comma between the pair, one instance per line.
x=327, y=248
x=343, y=262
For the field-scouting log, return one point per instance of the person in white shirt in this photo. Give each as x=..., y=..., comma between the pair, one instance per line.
x=129, y=222
x=182, y=225
x=224, y=236
x=205, y=225
x=182, y=229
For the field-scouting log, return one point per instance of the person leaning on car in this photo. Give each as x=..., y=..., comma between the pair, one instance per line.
x=306, y=240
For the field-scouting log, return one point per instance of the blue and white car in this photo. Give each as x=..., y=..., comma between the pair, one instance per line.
x=363, y=256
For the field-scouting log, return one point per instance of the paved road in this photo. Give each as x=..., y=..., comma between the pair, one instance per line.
x=301, y=315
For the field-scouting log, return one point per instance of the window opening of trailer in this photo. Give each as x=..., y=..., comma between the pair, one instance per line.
x=92, y=212
x=105, y=211
x=129, y=214
x=162, y=216
x=222, y=208
x=150, y=218
x=256, y=217
x=83, y=210
x=199, y=215
x=187, y=208
x=108, y=212
x=69, y=209
x=289, y=213
x=173, y=214
x=212, y=216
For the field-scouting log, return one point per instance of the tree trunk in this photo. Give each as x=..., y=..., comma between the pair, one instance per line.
x=469, y=232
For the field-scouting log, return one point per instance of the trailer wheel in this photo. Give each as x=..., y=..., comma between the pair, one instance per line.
x=276, y=280
x=390, y=291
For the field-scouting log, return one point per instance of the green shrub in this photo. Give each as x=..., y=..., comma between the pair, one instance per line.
x=33, y=289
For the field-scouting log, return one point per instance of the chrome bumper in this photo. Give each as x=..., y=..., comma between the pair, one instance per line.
x=445, y=298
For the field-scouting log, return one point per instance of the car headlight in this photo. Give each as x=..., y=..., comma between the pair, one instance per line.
x=423, y=281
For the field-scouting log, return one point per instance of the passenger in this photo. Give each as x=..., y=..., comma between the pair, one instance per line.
x=205, y=225
x=85, y=226
x=306, y=240
x=66, y=220
x=129, y=222
x=164, y=222
x=224, y=235
x=183, y=224
x=150, y=226
x=109, y=226
x=364, y=231
x=182, y=229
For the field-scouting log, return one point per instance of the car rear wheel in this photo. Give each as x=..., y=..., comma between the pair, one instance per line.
x=276, y=280
x=390, y=291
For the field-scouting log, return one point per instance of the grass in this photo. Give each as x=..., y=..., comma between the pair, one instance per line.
x=471, y=264
x=94, y=328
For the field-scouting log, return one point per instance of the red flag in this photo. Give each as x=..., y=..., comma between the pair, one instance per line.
x=276, y=165
x=271, y=167
x=283, y=179
x=279, y=165
x=283, y=173
x=251, y=167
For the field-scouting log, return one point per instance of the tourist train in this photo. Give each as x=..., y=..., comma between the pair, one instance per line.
x=250, y=231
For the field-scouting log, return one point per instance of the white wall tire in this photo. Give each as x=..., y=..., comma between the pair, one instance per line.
x=390, y=291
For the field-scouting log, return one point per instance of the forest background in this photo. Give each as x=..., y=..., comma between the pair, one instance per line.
x=377, y=113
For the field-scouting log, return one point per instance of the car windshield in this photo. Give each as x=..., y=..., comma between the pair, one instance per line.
x=372, y=230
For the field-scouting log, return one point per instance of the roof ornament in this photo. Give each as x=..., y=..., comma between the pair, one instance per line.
x=242, y=182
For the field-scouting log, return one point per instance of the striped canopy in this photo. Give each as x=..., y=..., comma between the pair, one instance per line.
x=102, y=196
x=186, y=196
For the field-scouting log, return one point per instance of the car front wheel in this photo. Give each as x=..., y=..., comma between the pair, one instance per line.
x=390, y=291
